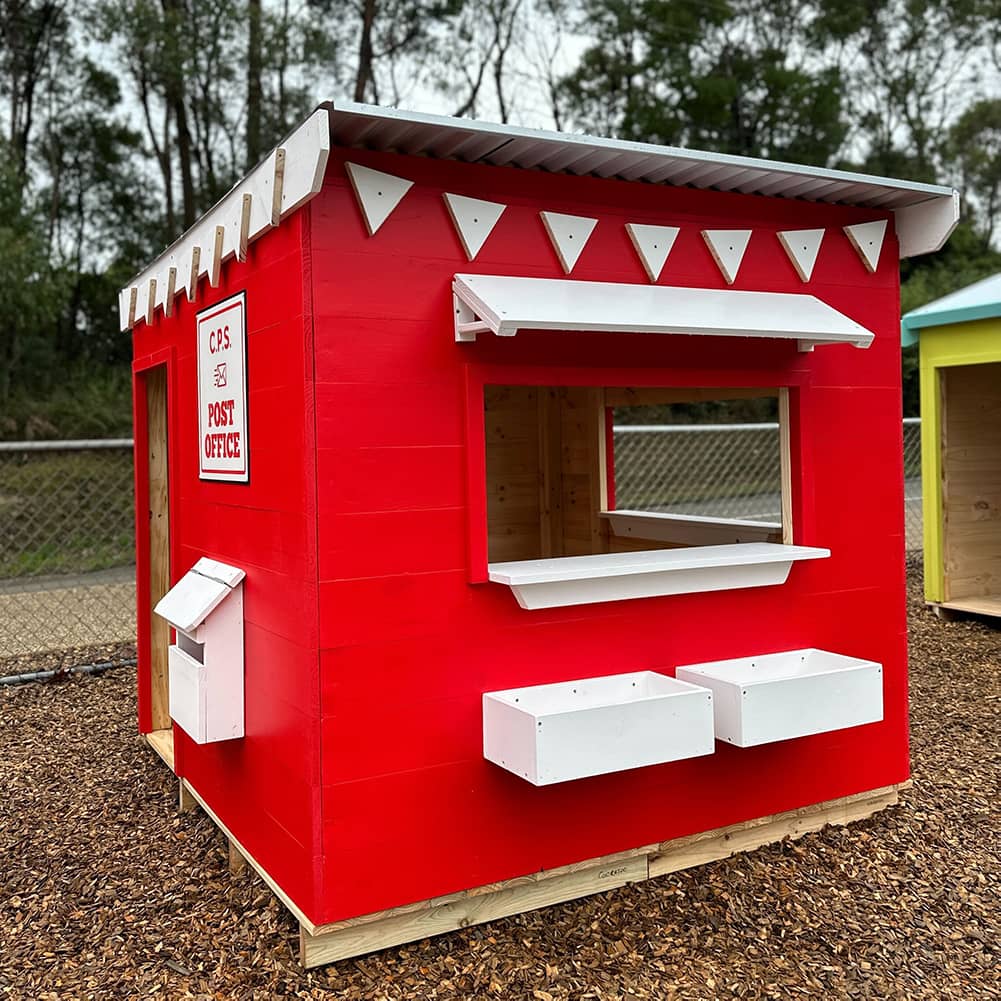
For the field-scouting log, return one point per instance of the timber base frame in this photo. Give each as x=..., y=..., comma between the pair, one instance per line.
x=322, y=944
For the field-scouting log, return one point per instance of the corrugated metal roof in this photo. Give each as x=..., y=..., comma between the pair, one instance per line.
x=979, y=301
x=472, y=141
x=925, y=214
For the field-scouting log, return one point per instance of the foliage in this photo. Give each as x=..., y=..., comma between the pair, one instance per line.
x=965, y=259
x=84, y=402
x=121, y=121
x=736, y=77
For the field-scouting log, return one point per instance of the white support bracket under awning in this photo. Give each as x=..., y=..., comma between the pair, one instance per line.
x=505, y=305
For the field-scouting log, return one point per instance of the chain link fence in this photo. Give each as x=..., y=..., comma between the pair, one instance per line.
x=67, y=577
x=726, y=471
x=67, y=573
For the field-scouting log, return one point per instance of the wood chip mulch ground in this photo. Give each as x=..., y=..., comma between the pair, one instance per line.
x=107, y=892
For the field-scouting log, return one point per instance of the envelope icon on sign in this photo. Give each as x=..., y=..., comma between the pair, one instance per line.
x=219, y=378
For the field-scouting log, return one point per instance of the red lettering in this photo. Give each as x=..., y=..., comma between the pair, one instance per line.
x=219, y=340
x=220, y=413
x=219, y=445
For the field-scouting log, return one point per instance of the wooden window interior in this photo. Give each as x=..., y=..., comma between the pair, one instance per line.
x=547, y=468
x=971, y=483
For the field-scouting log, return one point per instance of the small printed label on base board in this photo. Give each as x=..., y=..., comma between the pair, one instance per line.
x=222, y=391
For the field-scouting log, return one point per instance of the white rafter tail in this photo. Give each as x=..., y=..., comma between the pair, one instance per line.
x=653, y=244
x=474, y=220
x=802, y=246
x=867, y=238
x=727, y=247
x=377, y=193
x=569, y=234
x=142, y=300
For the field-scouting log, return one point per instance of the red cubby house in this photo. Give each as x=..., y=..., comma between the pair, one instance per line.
x=396, y=637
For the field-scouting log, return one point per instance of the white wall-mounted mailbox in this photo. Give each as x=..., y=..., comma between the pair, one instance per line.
x=205, y=607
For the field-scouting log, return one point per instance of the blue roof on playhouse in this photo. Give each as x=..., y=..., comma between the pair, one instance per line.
x=978, y=301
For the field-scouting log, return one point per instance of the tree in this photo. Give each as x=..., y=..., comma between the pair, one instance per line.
x=736, y=77
x=974, y=149
x=33, y=33
x=394, y=44
x=30, y=293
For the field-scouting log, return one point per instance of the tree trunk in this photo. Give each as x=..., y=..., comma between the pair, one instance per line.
x=253, y=82
x=364, y=74
x=175, y=94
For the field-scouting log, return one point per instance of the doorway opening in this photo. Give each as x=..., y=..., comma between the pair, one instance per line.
x=161, y=737
x=971, y=487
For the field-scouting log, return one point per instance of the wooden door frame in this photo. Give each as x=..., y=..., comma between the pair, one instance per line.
x=153, y=710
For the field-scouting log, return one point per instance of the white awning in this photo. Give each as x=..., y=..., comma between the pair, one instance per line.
x=506, y=305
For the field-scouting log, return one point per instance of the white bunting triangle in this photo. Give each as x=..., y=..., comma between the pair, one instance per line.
x=802, y=246
x=377, y=193
x=569, y=234
x=727, y=247
x=653, y=244
x=474, y=220
x=867, y=239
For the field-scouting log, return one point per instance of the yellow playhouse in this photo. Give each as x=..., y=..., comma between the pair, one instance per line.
x=959, y=339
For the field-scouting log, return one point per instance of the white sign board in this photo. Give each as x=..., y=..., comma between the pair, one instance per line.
x=222, y=391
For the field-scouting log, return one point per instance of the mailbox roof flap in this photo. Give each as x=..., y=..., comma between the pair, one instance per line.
x=193, y=598
x=222, y=572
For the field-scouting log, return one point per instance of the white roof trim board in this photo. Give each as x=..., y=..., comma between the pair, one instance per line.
x=288, y=177
x=505, y=305
x=925, y=214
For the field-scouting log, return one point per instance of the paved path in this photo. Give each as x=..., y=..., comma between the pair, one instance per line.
x=58, y=612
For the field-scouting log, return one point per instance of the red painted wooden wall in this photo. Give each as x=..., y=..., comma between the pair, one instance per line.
x=265, y=788
x=361, y=784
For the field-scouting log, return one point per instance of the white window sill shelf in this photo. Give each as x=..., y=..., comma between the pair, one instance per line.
x=586, y=580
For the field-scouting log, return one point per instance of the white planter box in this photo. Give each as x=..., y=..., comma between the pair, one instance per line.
x=779, y=696
x=569, y=730
x=584, y=580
